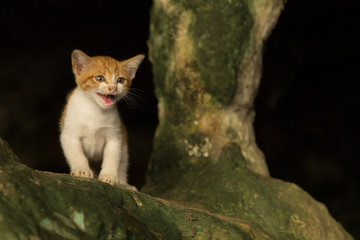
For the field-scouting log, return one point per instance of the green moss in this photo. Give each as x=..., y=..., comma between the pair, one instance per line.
x=162, y=36
x=216, y=67
x=231, y=133
x=220, y=31
x=214, y=201
x=197, y=51
x=59, y=206
x=228, y=188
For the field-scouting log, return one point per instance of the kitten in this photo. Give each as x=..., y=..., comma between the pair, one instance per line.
x=90, y=126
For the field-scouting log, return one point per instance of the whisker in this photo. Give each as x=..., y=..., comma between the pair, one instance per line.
x=138, y=93
x=137, y=90
x=129, y=103
x=136, y=97
x=131, y=98
x=124, y=99
x=133, y=102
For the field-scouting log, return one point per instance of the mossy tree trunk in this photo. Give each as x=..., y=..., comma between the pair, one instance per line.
x=206, y=58
x=206, y=167
x=207, y=63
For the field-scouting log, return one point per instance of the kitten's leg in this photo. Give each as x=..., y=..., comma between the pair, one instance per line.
x=111, y=162
x=74, y=155
x=115, y=164
x=123, y=168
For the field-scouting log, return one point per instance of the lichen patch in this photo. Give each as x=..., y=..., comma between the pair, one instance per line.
x=53, y=226
x=78, y=219
x=138, y=202
x=201, y=149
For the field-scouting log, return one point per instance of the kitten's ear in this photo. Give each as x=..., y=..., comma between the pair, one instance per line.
x=80, y=61
x=133, y=64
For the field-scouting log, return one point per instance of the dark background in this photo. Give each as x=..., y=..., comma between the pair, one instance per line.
x=307, y=108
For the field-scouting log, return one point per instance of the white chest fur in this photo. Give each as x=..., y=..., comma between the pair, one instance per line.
x=82, y=110
x=92, y=133
x=93, y=126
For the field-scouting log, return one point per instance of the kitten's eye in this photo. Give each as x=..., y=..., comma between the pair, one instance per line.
x=121, y=80
x=100, y=78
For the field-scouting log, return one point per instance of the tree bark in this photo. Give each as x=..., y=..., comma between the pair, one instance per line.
x=207, y=59
x=42, y=205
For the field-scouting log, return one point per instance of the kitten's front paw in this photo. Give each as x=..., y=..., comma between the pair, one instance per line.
x=82, y=173
x=109, y=179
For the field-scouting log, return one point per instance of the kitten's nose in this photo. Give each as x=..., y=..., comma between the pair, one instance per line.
x=112, y=89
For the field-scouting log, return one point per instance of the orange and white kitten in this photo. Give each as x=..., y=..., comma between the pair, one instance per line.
x=90, y=126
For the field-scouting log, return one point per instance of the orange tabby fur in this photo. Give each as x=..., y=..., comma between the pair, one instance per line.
x=100, y=65
x=105, y=66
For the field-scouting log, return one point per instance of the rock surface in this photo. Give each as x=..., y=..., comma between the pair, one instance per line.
x=43, y=205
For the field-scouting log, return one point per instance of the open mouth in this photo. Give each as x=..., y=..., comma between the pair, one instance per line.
x=108, y=99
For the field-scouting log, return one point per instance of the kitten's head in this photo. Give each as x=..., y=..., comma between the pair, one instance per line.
x=104, y=79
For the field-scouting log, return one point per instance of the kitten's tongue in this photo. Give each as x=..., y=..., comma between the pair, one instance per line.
x=108, y=99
